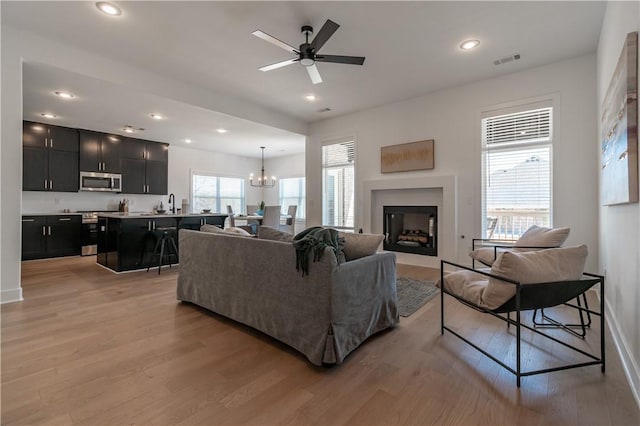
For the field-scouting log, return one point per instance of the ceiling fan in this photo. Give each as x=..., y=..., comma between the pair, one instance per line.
x=308, y=52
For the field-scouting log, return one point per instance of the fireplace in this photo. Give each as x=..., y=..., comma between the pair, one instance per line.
x=411, y=229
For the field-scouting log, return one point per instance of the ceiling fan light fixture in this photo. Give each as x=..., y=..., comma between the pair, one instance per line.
x=307, y=62
x=310, y=97
x=469, y=44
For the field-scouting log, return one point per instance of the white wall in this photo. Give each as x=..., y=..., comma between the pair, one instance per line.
x=452, y=118
x=620, y=225
x=18, y=46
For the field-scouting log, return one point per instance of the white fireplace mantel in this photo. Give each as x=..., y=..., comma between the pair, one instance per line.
x=447, y=217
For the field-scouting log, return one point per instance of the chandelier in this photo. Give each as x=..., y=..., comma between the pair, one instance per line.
x=262, y=179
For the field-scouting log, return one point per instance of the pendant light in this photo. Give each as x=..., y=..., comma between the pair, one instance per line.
x=262, y=179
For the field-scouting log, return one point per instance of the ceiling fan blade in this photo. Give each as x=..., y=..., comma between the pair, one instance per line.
x=338, y=59
x=324, y=34
x=314, y=74
x=275, y=41
x=279, y=64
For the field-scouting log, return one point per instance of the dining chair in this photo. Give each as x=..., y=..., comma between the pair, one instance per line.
x=252, y=209
x=232, y=222
x=291, y=220
x=271, y=216
x=253, y=223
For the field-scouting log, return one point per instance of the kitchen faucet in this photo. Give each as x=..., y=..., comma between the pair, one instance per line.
x=172, y=201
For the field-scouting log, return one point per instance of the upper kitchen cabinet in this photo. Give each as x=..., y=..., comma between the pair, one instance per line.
x=144, y=167
x=50, y=158
x=99, y=152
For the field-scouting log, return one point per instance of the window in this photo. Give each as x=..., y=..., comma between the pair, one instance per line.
x=292, y=192
x=216, y=192
x=516, y=171
x=338, y=184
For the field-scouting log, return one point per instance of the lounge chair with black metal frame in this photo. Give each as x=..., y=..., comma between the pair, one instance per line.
x=527, y=295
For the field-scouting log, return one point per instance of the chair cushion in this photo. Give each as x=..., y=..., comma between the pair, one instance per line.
x=360, y=245
x=537, y=236
x=269, y=233
x=539, y=266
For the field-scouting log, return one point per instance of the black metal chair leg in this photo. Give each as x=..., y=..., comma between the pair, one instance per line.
x=161, y=253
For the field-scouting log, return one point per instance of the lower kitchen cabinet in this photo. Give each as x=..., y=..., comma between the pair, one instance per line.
x=51, y=236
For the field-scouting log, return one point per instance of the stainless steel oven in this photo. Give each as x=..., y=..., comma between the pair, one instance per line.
x=90, y=232
x=92, y=181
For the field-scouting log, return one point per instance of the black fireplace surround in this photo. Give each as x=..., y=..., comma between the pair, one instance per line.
x=411, y=229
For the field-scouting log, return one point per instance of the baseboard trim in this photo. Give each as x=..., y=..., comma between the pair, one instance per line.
x=10, y=296
x=631, y=370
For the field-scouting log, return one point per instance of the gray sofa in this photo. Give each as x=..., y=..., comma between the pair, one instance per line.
x=324, y=315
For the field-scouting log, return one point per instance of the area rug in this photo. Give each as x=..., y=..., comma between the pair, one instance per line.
x=412, y=294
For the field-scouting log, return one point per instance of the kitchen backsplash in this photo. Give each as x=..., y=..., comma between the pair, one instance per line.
x=50, y=202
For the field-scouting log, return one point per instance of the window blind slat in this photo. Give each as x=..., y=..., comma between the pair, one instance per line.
x=517, y=127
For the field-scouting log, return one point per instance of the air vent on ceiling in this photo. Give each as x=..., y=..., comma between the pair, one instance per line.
x=324, y=110
x=507, y=59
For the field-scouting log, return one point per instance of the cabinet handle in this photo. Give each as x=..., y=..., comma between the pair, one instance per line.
x=45, y=184
x=148, y=225
x=50, y=184
x=49, y=229
x=144, y=188
x=43, y=230
x=64, y=219
x=51, y=143
x=45, y=142
x=154, y=225
x=28, y=220
x=144, y=155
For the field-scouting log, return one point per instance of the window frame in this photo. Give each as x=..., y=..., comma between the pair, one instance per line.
x=302, y=185
x=549, y=101
x=219, y=207
x=337, y=141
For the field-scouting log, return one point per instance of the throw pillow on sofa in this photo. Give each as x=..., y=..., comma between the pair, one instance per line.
x=237, y=231
x=360, y=245
x=273, y=234
x=212, y=229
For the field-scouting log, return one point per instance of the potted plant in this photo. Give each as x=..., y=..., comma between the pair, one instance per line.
x=260, y=211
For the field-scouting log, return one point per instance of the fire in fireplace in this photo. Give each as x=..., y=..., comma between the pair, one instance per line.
x=411, y=229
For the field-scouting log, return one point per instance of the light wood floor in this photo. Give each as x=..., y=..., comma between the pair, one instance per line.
x=91, y=347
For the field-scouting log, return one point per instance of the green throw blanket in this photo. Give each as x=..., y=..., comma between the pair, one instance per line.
x=316, y=239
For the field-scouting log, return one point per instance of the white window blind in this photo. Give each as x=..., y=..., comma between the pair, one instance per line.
x=216, y=192
x=338, y=184
x=292, y=192
x=516, y=172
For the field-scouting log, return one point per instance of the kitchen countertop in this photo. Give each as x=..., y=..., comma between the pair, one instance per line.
x=138, y=215
x=52, y=214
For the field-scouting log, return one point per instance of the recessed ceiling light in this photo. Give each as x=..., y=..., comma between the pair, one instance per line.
x=48, y=115
x=128, y=129
x=108, y=8
x=156, y=116
x=221, y=130
x=187, y=141
x=65, y=95
x=469, y=44
x=310, y=97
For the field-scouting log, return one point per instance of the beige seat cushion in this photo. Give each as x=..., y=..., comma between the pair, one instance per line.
x=487, y=255
x=548, y=265
x=237, y=231
x=360, y=245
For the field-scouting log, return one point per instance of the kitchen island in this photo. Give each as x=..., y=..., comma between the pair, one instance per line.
x=126, y=240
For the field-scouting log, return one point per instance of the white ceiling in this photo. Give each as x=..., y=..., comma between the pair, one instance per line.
x=411, y=48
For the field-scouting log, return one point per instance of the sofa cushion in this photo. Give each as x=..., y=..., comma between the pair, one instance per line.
x=487, y=255
x=360, y=245
x=537, y=236
x=237, y=231
x=212, y=229
x=269, y=233
x=539, y=266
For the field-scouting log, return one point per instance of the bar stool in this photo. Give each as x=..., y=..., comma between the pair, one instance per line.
x=164, y=240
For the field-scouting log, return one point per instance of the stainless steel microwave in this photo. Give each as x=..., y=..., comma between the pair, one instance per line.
x=92, y=181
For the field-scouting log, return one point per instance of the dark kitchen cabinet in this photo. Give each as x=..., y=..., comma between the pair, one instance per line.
x=144, y=167
x=99, y=152
x=51, y=236
x=50, y=158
